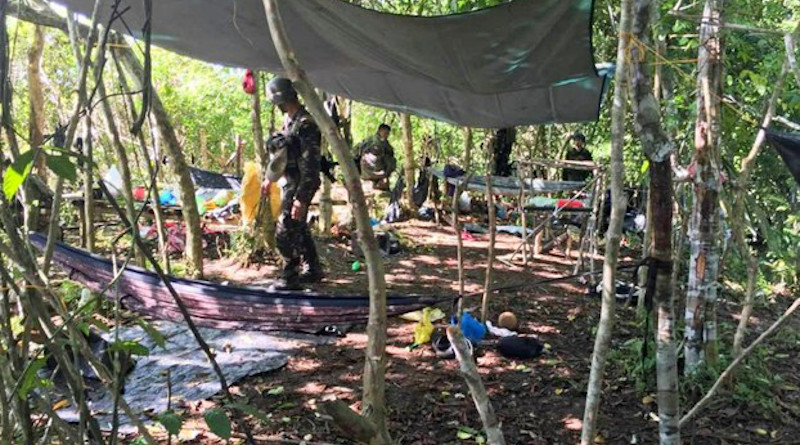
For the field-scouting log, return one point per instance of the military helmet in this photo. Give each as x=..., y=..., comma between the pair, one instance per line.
x=281, y=91
x=578, y=136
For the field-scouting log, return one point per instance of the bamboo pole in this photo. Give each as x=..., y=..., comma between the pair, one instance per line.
x=523, y=217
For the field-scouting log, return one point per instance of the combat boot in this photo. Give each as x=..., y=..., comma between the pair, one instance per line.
x=289, y=279
x=312, y=272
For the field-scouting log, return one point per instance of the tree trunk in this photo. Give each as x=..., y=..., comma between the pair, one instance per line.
x=790, y=44
x=487, y=284
x=408, y=154
x=36, y=96
x=492, y=426
x=614, y=232
x=151, y=169
x=374, y=399
x=658, y=148
x=738, y=217
x=83, y=67
x=122, y=164
x=264, y=225
x=459, y=243
x=186, y=190
x=704, y=226
x=468, y=141
x=88, y=184
x=325, y=200
x=204, y=148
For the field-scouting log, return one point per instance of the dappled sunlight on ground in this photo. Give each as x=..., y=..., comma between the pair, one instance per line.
x=539, y=401
x=572, y=423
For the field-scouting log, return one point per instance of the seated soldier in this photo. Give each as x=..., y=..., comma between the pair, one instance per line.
x=578, y=152
x=376, y=158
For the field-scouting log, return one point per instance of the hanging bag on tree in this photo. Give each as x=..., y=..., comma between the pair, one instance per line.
x=249, y=82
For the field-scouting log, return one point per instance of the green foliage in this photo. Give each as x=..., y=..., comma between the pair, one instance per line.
x=31, y=379
x=634, y=363
x=16, y=173
x=129, y=346
x=152, y=332
x=754, y=383
x=171, y=422
x=204, y=97
x=218, y=422
x=63, y=167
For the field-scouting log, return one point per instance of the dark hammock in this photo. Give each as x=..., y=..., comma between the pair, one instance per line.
x=224, y=307
x=788, y=146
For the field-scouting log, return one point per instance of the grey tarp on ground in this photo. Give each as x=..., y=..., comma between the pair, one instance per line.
x=239, y=353
x=519, y=63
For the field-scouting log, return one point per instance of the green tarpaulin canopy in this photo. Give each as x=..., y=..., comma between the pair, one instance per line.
x=519, y=63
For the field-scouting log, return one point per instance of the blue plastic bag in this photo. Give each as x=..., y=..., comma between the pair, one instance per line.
x=472, y=328
x=167, y=198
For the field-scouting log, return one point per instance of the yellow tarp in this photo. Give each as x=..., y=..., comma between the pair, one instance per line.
x=251, y=192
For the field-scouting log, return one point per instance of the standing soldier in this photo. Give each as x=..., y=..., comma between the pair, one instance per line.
x=577, y=153
x=295, y=158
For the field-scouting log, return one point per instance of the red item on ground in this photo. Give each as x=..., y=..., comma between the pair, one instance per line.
x=249, y=82
x=466, y=236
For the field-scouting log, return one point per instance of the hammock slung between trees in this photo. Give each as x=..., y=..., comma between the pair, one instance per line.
x=223, y=307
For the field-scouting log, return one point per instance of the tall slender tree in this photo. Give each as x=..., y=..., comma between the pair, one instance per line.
x=658, y=148
x=36, y=95
x=374, y=399
x=704, y=225
x=409, y=164
x=605, y=327
x=166, y=132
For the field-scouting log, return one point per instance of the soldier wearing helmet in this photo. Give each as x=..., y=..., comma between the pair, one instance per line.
x=295, y=157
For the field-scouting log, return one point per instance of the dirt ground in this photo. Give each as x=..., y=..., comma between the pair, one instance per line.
x=539, y=401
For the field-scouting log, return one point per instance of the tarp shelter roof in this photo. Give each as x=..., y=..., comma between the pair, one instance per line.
x=788, y=146
x=519, y=63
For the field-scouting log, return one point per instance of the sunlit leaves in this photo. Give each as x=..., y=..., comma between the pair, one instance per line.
x=16, y=173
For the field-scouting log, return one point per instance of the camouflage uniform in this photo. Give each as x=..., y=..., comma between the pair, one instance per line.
x=376, y=158
x=569, y=174
x=293, y=236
